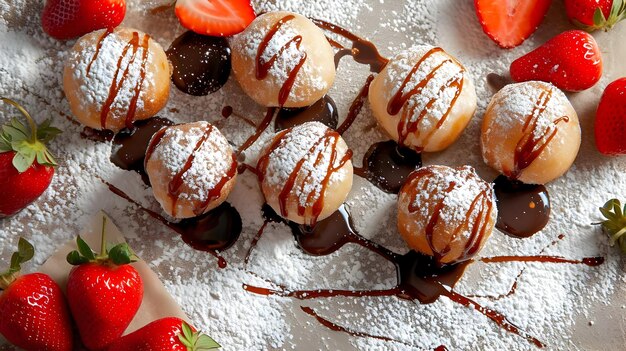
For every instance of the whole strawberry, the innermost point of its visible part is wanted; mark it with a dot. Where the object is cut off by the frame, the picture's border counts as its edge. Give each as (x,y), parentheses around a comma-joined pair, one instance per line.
(104,292)
(33,311)
(26,165)
(66,19)
(571,61)
(592,15)
(166,334)
(610,124)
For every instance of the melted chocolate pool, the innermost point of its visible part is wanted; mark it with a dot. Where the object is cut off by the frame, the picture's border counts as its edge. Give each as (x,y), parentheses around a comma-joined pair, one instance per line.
(201,63)
(129,146)
(388,165)
(324,111)
(523,209)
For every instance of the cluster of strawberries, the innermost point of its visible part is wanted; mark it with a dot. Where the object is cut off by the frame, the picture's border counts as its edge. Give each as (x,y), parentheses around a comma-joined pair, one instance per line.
(104,293)
(571,60)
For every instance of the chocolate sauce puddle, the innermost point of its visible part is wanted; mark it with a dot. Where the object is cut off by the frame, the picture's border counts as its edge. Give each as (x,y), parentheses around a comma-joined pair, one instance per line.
(212,232)
(323,111)
(201,64)
(388,165)
(130,145)
(523,209)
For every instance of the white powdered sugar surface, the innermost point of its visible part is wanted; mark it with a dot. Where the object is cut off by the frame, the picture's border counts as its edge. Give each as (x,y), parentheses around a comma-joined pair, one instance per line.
(554,302)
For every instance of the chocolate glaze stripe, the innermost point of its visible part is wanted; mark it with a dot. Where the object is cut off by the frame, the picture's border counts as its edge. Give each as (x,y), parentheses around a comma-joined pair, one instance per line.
(315,199)
(335,327)
(263,67)
(116,85)
(589,261)
(530,145)
(104,35)
(398,102)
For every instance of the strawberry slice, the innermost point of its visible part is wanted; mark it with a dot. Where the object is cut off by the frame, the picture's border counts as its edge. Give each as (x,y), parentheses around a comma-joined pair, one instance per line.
(215,17)
(510,22)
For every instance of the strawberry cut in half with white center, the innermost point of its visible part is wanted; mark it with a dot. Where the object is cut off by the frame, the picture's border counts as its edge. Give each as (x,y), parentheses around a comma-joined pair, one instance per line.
(219,18)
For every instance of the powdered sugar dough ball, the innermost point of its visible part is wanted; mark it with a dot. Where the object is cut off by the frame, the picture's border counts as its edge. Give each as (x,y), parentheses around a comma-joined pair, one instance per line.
(530,132)
(283,59)
(423,98)
(191,167)
(306,172)
(113,78)
(448,213)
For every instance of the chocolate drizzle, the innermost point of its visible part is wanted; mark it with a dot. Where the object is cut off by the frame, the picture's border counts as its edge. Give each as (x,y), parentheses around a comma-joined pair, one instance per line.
(532,143)
(130,145)
(121,75)
(334,326)
(363,51)
(299,177)
(212,232)
(408,124)
(201,64)
(356,106)
(523,209)
(420,277)
(388,165)
(323,111)
(263,67)
(175,186)
(479,210)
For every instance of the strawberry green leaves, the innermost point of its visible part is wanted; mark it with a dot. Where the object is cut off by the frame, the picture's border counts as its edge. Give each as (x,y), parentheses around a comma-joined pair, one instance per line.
(119,254)
(195,341)
(615,223)
(25,252)
(28,142)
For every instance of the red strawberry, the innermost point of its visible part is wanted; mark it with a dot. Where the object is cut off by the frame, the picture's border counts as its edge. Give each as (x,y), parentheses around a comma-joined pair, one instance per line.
(595,14)
(219,18)
(571,61)
(66,19)
(510,22)
(34,314)
(104,292)
(610,124)
(167,334)
(26,165)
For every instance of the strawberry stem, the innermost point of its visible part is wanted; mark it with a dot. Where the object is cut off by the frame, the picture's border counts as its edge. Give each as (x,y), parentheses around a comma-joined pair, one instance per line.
(103,243)
(29,119)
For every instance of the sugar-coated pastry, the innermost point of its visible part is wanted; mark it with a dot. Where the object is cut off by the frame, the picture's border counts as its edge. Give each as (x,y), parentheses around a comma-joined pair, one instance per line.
(530,132)
(423,98)
(306,172)
(448,213)
(191,167)
(113,78)
(283,59)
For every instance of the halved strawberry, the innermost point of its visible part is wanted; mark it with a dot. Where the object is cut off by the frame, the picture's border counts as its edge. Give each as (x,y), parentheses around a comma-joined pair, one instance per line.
(510,22)
(218,18)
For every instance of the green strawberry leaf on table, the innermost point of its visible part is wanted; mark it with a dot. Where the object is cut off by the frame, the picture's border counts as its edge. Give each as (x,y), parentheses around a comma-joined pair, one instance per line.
(615,223)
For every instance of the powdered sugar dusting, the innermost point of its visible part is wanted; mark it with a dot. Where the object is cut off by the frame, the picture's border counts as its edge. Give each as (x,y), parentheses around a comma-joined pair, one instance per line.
(555,302)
